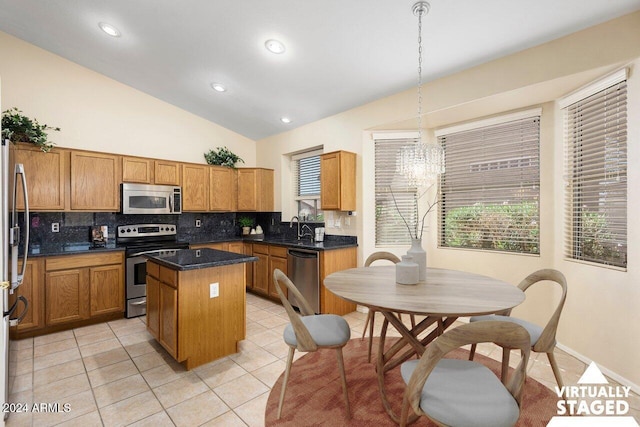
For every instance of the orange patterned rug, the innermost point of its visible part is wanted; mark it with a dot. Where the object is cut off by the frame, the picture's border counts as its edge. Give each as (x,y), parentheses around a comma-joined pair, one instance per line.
(314,393)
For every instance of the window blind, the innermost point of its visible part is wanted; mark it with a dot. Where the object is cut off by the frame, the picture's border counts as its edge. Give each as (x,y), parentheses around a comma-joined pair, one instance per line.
(596,173)
(390,227)
(489,193)
(306,176)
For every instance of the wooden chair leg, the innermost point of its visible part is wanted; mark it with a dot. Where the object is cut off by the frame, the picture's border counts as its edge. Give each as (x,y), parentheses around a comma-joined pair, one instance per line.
(506,353)
(366,323)
(555,368)
(472,352)
(344,381)
(373,319)
(287,370)
(413,321)
(404,415)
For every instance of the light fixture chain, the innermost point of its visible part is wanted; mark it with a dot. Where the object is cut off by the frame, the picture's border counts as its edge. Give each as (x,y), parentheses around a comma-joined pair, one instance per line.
(420,11)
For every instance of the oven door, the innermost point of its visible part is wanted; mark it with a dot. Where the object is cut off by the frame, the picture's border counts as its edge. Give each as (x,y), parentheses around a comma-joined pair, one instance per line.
(136,276)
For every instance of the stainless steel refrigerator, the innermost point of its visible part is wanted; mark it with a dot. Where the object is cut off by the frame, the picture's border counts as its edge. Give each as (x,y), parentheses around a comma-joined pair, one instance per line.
(11,278)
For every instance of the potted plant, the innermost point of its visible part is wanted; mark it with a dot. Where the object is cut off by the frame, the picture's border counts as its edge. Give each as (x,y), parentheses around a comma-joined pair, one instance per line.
(245,222)
(16,127)
(222,156)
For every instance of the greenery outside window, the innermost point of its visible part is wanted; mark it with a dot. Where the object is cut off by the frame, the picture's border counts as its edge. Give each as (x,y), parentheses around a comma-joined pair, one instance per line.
(306,176)
(596,172)
(489,193)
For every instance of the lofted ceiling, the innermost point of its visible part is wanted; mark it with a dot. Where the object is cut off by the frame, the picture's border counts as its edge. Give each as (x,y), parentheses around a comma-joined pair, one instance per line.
(339,53)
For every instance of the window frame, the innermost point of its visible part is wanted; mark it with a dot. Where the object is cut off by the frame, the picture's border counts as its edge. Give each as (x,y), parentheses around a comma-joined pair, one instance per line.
(297,198)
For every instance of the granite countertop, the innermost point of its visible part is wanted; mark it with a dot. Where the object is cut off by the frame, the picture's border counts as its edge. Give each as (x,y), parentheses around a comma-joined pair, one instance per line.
(193,259)
(51,249)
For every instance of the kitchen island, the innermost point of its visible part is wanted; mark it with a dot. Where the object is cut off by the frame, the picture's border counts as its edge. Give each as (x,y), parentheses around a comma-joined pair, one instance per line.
(196,303)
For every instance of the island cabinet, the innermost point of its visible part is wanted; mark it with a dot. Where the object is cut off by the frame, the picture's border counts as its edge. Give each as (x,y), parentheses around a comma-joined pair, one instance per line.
(46,177)
(195,187)
(255,190)
(338,181)
(95,181)
(197,314)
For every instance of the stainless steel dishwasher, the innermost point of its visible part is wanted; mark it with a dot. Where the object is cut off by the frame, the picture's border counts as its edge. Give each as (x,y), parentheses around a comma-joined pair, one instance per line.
(304,272)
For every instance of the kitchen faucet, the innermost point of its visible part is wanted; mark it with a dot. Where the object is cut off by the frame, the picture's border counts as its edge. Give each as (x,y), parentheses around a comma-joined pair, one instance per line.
(310,233)
(291,225)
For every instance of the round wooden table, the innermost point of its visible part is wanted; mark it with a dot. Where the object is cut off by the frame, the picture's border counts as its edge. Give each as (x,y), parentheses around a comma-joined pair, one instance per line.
(442,298)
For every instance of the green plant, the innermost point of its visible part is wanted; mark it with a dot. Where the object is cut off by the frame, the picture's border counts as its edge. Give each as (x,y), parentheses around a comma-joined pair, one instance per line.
(222,157)
(16,127)
(245,221)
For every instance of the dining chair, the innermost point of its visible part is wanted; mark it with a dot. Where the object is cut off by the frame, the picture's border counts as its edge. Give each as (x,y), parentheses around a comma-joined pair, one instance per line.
(376,256)
(309,332)
(458,392)
(543,340)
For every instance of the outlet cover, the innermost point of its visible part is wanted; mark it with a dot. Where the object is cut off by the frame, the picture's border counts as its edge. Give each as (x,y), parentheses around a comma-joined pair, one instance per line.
(214,290)
(198,223)
(55,227)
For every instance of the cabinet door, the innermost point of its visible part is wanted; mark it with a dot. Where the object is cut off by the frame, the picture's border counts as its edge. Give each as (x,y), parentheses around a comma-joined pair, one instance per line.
(222,188)
(276,262)
(32,289)
(338,181)
(248,250)
(67,296)
(265,190)
(153,307)
(107,289)
(261,273)
(169,319)
(247,190)
(236,247)
(136,169)
(167,173)
(95,181)
(46,173)
(195,188)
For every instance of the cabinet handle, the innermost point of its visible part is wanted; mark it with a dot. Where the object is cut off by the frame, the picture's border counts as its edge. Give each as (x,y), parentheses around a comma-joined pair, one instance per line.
(139,303)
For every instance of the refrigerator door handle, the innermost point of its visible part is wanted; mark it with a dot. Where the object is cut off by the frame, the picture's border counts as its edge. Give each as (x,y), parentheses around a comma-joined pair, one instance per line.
(16,321)
(16,280)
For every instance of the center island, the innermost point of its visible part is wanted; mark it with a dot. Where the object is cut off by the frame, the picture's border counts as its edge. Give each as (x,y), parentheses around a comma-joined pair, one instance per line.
(196,303)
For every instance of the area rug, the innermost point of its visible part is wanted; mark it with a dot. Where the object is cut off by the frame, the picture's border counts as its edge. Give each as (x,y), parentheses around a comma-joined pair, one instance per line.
(314,393)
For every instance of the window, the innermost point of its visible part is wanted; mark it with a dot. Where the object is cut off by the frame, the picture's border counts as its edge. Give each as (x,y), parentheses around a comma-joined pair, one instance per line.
(596,172)
(489,193)
(306,176)
(390,227)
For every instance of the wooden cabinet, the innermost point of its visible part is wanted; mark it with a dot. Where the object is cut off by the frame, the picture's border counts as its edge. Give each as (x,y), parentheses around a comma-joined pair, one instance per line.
(255,190)
(338,181)
(277,259)
(168,314)
(80,287)
(248,250)
(153,305)
(236,247)
(195,188)
(223,189)
(261,269)
(32,289)
(95,181)
(330,262)
(137,169)
(46,176)
(167,172)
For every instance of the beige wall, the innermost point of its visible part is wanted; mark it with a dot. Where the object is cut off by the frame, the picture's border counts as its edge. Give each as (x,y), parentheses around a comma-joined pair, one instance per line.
(601,321)
(98,113)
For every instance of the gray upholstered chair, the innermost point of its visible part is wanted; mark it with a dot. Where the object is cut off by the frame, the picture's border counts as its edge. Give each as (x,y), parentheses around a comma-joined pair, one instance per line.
(386,256)
(455,392)
(543,340)
(309,332)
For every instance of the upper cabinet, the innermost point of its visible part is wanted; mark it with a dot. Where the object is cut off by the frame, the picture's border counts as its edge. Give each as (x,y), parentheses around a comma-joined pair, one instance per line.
(167,172)
(255,190)
(338,181)
(195,187)
(223,189)
(149,171)
(95,181)
(45,175)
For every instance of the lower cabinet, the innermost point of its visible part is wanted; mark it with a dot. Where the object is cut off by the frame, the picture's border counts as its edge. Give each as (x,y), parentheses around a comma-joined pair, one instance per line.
(269,258)
(32,289)
(277,259)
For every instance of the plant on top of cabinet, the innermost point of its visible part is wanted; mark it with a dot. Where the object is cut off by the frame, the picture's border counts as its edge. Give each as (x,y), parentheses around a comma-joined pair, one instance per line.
(16,127)
(222,157)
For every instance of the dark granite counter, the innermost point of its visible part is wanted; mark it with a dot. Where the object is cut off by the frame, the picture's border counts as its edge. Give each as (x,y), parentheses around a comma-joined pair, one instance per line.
(52,249)
(193,259)
(330,242)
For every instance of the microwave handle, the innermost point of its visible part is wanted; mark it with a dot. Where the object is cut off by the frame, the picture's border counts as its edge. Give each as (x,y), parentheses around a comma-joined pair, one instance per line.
(171,204)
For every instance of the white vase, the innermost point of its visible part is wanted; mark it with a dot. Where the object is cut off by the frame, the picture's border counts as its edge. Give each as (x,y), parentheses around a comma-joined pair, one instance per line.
(407,271)
(419,256)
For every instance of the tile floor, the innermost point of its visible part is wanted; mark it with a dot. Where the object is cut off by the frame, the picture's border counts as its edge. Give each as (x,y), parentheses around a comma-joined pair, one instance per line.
(115,374)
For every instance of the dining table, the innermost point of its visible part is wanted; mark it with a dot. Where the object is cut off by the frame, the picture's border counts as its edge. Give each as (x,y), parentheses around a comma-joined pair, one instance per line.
(442,298)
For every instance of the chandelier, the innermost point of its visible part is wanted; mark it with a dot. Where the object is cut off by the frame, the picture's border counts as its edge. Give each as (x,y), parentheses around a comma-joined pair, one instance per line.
(421,163)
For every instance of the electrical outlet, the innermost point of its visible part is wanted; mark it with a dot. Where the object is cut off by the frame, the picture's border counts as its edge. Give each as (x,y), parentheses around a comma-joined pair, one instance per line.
(214,290)
(198,223)
(55,227)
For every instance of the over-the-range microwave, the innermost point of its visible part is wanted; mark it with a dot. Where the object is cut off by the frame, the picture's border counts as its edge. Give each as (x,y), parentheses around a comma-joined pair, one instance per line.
(151,199)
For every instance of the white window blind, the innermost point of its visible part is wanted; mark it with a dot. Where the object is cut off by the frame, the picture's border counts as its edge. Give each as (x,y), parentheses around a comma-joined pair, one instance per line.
(596,174)
(306,184)
(489,194)
(390,227)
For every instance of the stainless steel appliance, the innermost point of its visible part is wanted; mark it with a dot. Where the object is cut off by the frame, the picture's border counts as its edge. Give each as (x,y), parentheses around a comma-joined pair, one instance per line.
(304,272)
(151,199)
(9,241)
(138,240)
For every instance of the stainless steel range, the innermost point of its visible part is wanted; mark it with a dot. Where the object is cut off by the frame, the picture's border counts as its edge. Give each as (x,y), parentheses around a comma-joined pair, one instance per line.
(141,239)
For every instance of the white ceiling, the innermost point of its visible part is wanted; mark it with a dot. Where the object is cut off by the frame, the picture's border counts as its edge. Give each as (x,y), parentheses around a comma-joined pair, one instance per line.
(340,53)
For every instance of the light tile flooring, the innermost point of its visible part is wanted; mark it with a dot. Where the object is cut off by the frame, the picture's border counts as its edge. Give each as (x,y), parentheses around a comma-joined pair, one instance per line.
(115,374)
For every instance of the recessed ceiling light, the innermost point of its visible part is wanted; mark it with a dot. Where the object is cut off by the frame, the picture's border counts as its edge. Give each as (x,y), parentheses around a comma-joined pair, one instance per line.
(285,120)
(109,29)
(218,87)
(274,46)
